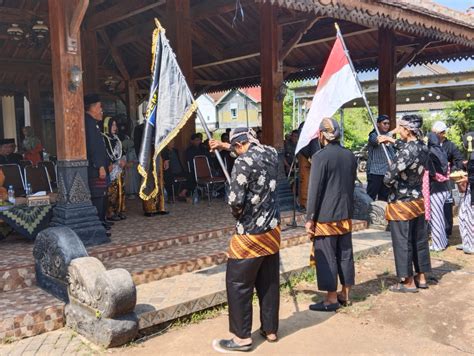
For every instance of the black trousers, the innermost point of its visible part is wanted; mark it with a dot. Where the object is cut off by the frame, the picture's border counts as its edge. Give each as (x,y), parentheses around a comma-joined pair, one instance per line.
(334,256)
(410,246)
(376,189)
(100,203)
(448,216)
(241,278)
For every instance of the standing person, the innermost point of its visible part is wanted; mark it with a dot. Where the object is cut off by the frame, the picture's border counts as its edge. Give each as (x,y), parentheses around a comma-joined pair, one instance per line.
(377,163)
(439,193)
(116,189)
(466,188)
(329,213)
(254,248)
(405,210)
(304,167)
(32,146)
(455,159)
(96,155)
(132,178)
(290,146)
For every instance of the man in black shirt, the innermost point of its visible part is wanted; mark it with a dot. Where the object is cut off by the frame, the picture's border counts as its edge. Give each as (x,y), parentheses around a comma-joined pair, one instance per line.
(7,152)
(329,216)
(96,154)
(455,159)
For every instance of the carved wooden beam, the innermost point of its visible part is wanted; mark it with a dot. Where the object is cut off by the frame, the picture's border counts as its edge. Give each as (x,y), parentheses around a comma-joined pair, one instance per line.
(211,8)
(253,49)
(409,56)
(285,51)
(120,12)
(115,54)
(20,16)
(77,17)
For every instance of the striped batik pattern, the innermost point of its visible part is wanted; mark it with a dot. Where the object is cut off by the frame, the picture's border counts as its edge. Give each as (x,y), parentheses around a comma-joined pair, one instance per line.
(466,223)
(404,210)
(341,227)
(251,246)
(439,238)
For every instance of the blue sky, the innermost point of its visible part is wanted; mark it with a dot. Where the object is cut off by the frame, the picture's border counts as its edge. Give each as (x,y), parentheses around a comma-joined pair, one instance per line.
(460,5)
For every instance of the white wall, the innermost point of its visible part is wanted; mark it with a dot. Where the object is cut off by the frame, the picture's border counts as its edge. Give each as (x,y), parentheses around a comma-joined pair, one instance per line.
(208,111)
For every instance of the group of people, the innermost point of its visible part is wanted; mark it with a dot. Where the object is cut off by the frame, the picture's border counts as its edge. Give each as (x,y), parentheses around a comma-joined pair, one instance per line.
(414,162)
(31,149)
(444,157)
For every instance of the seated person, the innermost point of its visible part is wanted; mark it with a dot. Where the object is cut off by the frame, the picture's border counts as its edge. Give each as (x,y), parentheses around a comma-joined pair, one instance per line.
(7,152)
(172,169)
(196,148)
(3,190)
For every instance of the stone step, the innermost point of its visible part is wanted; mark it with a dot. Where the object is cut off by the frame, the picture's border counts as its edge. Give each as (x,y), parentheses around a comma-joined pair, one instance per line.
(29,311)
(16,276)
(153,266)
(167,299)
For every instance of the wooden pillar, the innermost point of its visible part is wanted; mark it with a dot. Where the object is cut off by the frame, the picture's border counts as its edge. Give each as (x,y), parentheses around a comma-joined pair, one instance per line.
(271,71)
(132,108)
(74,208)
(68,105)
(9,117)
(35,108)
(178,30)
(90,62)
(387,75)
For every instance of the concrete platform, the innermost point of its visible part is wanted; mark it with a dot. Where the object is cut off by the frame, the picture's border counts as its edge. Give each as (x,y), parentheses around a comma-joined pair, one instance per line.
(171,298)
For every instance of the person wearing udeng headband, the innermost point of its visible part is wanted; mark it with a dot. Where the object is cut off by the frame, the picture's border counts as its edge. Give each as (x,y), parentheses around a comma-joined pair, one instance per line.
(254,248)
(405,210)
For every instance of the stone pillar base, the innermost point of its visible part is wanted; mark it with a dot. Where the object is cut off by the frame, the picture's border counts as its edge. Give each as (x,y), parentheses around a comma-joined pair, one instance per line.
(74,208)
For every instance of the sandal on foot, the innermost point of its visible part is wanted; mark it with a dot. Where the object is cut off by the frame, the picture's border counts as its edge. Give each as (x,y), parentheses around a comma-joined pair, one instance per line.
(324,307)
(343,302)
(400,288)
(230,345)
(421,285)
(265,335)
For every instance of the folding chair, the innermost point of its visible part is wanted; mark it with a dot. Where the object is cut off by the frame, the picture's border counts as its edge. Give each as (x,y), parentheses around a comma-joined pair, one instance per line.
(204,177)
(38,178)
(52,173)
(24,163)
(14,178)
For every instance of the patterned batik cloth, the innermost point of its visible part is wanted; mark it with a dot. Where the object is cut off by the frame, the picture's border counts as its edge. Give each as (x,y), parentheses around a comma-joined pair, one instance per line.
(28,221)
(405,174)
(116,196)
(466,222)
(251,246)
(252,195)
(404,210)
(335,228)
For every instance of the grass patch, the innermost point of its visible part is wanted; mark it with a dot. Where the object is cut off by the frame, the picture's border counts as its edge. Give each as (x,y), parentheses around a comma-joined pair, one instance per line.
(8,340)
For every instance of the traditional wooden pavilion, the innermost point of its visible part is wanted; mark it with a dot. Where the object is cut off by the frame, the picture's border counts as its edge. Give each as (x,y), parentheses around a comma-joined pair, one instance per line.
(220,44)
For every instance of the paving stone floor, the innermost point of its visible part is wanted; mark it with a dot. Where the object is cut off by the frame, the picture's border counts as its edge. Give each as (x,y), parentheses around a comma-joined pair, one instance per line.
(180,295)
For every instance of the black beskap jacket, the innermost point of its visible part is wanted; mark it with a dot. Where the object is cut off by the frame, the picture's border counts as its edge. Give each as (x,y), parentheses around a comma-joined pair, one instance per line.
(331,184)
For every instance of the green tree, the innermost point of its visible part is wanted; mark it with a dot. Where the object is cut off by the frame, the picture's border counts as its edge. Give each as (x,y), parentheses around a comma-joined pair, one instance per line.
(460,119)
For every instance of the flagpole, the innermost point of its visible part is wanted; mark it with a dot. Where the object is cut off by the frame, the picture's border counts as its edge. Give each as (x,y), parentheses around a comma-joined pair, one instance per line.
(218,155)
(339,34)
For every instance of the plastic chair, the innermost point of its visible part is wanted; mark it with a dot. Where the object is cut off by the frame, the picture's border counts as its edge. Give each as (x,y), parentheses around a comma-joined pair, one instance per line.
(14,178)
(204,177)
(38,178)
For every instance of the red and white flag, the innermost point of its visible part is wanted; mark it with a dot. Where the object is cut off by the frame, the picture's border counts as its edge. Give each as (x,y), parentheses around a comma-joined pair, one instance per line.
(337,86)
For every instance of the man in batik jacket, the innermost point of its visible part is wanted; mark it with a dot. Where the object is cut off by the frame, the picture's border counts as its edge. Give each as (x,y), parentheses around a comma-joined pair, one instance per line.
(254,249)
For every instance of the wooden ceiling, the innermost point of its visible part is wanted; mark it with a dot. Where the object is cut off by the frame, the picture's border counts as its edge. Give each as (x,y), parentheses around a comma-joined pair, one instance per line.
(225,52)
